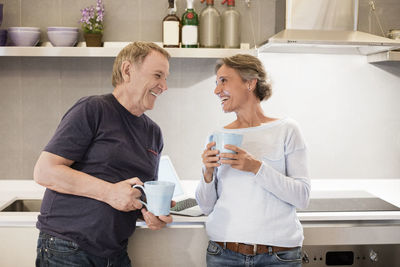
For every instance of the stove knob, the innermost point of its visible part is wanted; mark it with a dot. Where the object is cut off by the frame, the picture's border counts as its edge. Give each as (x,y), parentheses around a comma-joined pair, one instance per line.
(305,258)
(373,256)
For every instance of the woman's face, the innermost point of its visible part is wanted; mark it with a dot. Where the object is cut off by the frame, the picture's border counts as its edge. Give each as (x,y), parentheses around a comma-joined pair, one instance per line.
(231,89)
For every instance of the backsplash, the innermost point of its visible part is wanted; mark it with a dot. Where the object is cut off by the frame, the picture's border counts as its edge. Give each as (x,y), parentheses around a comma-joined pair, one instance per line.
(348,109)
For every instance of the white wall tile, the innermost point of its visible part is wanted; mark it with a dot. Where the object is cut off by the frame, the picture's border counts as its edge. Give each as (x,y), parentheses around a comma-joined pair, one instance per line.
(346,108)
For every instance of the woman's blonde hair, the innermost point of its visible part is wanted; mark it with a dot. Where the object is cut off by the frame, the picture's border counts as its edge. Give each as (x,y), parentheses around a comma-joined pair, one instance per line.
(249,68)
(134,53)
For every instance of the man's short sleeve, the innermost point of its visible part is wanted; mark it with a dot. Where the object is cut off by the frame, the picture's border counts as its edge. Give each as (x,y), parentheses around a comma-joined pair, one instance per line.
(76,130)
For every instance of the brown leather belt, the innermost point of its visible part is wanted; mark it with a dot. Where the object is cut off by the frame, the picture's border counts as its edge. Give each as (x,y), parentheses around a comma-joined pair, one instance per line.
(248,249)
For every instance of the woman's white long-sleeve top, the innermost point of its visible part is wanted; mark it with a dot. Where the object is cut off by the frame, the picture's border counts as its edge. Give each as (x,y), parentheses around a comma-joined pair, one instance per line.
(261,208)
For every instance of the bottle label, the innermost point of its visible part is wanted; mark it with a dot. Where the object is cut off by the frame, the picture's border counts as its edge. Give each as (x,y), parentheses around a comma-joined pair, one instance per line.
(171,33)
(189,35)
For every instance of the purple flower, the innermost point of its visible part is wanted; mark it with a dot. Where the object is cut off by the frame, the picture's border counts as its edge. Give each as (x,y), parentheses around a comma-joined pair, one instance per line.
(92,18)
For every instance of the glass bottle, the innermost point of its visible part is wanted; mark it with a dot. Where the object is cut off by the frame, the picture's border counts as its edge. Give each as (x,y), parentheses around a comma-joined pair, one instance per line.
(230,26)
(210,21)
(171,27)
(190,23)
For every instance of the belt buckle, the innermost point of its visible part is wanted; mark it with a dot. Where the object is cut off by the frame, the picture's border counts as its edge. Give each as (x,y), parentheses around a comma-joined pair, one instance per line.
(270,250)
(255,249)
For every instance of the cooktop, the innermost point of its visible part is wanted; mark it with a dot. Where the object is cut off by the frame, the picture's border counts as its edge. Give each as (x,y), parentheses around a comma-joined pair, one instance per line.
(335,202)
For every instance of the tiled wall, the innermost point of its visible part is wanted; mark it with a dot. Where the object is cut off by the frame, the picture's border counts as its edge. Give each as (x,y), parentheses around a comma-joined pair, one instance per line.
(348,109)
(387,12)
(36,92)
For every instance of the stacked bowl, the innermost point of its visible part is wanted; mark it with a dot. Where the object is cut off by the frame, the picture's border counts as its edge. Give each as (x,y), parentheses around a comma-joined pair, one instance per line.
(63,36)
(1,13)
(3,33)
(24,36)
(3,37)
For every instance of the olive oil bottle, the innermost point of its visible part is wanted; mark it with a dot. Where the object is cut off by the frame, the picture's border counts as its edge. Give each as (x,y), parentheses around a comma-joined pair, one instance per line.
(171,27)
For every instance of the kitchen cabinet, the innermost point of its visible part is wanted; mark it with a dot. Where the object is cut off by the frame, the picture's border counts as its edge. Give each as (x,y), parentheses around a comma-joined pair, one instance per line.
(175,246)
(18,246)
(19,243)
(184,242)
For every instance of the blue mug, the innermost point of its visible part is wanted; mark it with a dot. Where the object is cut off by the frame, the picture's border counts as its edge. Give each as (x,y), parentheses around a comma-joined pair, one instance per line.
(221,139)
(158,196)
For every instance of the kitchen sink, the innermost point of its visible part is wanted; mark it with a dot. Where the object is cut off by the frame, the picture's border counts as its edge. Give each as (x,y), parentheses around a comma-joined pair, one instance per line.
(24,205)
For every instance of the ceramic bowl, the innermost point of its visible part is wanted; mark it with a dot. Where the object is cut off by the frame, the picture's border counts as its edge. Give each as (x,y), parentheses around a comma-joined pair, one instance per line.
(24,38)
(63,38)
(3,37)
(25,29)
(69,29)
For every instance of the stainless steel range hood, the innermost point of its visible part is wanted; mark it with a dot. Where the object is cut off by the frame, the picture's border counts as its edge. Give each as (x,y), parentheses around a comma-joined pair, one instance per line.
(328,28)
(329,42)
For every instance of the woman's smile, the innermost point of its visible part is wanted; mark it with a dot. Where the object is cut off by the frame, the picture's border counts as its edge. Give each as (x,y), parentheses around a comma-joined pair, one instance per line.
(223,99)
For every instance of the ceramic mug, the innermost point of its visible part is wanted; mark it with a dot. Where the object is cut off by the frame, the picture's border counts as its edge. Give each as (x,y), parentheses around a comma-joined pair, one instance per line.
(158,195)
(221,139)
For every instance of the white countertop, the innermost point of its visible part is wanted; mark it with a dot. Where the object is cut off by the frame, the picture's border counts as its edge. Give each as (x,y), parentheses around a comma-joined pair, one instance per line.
(386,189)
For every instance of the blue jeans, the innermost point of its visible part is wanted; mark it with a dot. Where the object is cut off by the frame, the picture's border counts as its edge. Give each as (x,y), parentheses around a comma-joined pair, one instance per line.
(56,252)
(218,257)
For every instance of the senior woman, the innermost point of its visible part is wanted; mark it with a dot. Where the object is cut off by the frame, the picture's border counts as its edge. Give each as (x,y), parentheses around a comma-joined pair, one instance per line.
(251,196)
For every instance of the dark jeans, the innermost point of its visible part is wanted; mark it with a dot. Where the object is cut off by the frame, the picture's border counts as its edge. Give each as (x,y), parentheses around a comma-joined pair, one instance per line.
(56,252)
(218,257)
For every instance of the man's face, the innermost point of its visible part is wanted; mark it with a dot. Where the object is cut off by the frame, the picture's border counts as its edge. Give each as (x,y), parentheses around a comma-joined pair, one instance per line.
(149,80)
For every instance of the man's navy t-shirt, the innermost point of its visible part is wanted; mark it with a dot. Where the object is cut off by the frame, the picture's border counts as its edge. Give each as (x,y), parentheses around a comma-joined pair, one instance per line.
(108,142)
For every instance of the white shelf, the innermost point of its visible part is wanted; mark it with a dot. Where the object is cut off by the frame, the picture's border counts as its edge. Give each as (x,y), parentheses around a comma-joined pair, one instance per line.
(384,57)
(58,51)
(113,50)
(208,52)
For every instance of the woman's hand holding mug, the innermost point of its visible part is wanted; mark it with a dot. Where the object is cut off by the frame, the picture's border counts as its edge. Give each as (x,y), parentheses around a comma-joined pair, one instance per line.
(210,160)
(240,160)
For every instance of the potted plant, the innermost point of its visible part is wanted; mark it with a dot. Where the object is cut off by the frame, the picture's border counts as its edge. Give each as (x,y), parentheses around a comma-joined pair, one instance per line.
(92,23)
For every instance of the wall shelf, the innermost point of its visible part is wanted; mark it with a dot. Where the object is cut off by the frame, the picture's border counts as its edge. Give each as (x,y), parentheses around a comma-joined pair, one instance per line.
(112,50)
(384,57)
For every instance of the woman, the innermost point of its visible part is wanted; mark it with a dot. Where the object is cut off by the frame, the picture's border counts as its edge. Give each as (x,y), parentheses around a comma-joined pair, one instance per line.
(251,196)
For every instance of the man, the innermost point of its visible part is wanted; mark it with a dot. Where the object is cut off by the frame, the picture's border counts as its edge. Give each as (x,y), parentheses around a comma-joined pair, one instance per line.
(103,145)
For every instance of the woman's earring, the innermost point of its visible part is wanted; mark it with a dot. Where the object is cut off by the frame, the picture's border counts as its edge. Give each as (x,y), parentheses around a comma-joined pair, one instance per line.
(249,88)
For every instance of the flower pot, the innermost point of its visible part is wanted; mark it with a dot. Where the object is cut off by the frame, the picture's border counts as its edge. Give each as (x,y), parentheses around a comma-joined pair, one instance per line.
(93,39)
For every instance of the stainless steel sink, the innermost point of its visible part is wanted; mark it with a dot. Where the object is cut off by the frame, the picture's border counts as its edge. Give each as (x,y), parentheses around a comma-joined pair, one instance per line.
(24,205)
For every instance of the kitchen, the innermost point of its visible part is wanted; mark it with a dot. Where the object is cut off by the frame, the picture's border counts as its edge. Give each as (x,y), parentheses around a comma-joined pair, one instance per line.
(347,107)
